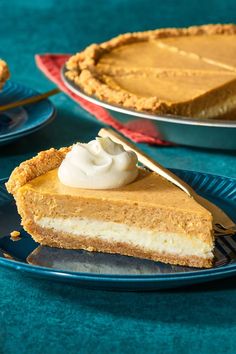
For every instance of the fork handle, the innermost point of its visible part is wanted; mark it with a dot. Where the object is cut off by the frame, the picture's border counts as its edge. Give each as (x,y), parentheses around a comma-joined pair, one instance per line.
(146,160)
(29,100)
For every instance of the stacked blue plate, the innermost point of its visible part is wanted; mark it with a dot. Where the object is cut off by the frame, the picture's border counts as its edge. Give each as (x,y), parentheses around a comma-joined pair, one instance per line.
(22,121)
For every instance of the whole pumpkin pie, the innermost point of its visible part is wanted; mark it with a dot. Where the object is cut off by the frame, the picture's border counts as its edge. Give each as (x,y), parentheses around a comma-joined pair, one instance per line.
(145,217)
(187,72)
(4,73)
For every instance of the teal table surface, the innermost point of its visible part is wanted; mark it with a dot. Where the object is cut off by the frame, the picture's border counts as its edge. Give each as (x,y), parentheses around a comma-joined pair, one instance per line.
(37,316)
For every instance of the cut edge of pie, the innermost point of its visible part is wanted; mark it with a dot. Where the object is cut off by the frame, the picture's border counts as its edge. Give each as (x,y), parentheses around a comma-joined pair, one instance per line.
(216,100)
(52,223)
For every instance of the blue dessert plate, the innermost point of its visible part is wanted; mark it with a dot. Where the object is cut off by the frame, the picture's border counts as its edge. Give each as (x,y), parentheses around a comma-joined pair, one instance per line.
(116,272)
(21,121)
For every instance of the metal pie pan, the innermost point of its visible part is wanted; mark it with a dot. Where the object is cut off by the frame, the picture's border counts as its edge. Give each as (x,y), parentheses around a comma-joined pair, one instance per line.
(202,133)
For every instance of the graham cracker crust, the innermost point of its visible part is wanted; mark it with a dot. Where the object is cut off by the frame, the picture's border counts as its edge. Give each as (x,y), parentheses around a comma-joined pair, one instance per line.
(4,73)
(28,170)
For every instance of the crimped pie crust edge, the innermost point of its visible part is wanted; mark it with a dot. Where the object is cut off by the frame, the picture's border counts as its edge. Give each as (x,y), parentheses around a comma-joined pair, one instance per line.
(40,164)
(82,71)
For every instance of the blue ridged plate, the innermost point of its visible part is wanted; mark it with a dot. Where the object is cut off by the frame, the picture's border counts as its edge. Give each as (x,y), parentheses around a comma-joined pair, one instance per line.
(115,272)
(21,121)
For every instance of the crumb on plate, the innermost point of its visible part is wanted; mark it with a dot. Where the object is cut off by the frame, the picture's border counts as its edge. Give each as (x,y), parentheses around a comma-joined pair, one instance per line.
(15,234)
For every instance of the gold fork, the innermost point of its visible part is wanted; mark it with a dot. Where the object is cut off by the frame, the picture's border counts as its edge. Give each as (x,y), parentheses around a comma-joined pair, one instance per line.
(223,225)
(29,100)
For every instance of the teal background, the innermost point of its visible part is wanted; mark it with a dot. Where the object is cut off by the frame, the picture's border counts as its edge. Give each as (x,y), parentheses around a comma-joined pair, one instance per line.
(37,316)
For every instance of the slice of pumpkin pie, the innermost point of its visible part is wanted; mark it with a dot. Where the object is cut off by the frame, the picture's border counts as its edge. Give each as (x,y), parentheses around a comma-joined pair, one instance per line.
(94,197)
(181,71)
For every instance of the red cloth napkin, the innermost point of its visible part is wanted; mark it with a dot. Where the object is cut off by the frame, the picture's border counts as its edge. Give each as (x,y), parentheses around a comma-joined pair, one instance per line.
(140,130)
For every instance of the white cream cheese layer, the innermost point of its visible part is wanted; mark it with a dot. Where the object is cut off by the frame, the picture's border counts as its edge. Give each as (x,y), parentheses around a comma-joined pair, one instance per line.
(172,243)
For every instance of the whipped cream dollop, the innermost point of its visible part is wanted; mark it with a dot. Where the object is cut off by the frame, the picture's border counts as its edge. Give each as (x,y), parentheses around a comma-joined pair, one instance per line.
(99,164)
